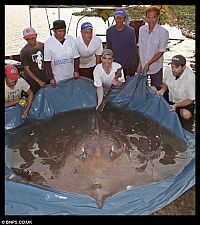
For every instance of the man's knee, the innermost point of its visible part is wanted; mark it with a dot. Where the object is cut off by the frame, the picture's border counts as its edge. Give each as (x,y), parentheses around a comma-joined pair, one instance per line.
(185,114)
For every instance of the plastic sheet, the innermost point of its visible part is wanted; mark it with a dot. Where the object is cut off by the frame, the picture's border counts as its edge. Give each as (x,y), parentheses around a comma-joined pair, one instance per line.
(79,94)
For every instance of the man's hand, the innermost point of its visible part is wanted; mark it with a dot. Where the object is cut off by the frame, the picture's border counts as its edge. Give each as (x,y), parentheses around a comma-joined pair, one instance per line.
(53,83)
(26,110)
(146,67)
(173,108)
(160,92)
(76,75)
(41,83)
(25,113)
(114,82)
(139,68)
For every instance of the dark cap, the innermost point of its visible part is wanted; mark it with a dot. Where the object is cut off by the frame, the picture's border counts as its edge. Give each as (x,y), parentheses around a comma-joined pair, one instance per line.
(59,24)
(178,60)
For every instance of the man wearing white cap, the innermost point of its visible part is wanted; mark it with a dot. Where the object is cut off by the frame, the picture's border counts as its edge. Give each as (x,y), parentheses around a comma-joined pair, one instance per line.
(61,57)
(178,87)
(31,56)
(122,40)
(104,74)
(90,49)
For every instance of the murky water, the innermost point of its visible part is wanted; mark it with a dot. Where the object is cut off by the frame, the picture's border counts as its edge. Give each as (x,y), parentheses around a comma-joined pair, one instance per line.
(84,151)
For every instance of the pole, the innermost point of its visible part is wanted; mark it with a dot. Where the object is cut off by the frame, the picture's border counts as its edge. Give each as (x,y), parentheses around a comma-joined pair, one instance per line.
(70,22)
(30,15)
(48,22)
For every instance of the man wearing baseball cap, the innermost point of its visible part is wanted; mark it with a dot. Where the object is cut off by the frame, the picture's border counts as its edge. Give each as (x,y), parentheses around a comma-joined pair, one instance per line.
(31,57)
(14,85)
(104,74)
(90,49)
(178,87)
(61,57)
(122,40)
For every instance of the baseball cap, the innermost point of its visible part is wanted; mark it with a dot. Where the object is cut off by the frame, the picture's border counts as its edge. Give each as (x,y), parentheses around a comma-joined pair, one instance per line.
(120,12)
(107,51)
(59,24)
(178,60)
(11,72)
(86,25)
(29,32)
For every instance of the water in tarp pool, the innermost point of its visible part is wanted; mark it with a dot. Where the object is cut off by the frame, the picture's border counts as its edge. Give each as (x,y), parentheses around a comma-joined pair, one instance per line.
(97,154)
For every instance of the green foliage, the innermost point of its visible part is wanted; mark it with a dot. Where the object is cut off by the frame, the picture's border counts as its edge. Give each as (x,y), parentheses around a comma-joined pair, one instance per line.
(86,12)
(182,16)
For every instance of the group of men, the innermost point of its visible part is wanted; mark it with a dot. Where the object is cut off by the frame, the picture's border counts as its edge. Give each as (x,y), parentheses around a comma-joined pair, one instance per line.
(63,57)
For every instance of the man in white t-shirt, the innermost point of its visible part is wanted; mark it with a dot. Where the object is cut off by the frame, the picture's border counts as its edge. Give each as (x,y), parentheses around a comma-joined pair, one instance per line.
(61,57)
(14,85)
(90,49)
(180,81)
(104,74)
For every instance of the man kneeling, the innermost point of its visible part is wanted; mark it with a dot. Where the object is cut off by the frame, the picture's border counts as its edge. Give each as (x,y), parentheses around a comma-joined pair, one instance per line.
(180,82)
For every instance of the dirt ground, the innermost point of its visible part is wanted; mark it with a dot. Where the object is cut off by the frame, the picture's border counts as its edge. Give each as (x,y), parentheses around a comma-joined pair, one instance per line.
(184,205)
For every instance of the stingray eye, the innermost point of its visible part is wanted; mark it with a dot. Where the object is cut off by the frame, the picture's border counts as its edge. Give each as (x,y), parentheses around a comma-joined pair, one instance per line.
(113,151)
(82,153)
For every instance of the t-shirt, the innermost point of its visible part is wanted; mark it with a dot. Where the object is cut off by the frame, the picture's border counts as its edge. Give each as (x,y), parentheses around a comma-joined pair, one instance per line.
(123,45)
(15,93)
(88,53)
(61,56)
(182,88)
(33,57)
(101,77)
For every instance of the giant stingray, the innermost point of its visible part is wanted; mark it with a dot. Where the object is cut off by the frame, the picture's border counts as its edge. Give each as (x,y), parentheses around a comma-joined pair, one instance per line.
(97,154)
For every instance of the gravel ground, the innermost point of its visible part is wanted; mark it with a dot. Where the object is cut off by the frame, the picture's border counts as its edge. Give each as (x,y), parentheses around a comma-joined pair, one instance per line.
(184,205)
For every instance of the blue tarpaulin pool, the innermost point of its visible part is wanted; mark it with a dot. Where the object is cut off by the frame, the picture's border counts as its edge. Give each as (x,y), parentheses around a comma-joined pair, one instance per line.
(81,94)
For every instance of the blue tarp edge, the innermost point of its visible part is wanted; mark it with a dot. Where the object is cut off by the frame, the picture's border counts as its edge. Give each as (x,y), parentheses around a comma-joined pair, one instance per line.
(78,94)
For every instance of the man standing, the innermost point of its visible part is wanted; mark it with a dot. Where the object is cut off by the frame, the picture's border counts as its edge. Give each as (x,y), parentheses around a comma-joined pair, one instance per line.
(104,74)
(121,39)
(61,57)
(14,85)
(90,49)
(180,81)
(31,57)
(153,40)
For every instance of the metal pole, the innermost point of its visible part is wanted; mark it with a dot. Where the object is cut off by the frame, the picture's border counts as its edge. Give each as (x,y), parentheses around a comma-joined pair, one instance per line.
(30,15)
(77,24)
(48,22)
(69,24)
(59,12)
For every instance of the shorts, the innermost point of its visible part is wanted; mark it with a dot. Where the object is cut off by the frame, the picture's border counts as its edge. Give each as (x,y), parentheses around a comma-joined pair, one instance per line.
(87,72)
(156,78)
(188,107)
